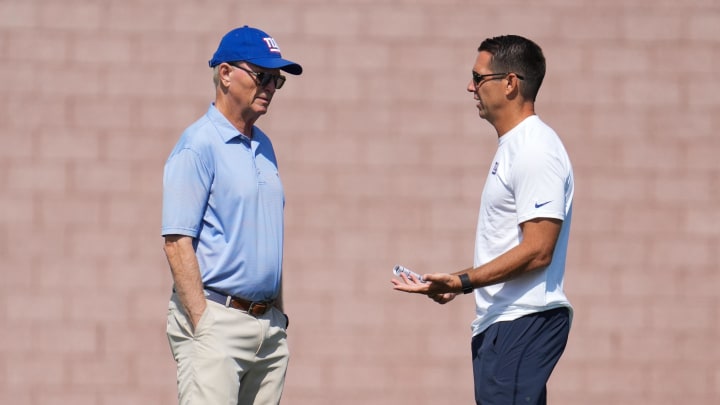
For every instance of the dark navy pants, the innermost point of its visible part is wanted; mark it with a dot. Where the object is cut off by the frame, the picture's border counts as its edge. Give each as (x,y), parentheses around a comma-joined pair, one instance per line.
(513,360)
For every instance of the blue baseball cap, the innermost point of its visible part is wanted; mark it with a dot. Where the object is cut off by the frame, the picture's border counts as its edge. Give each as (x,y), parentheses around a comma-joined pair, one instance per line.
(254,46)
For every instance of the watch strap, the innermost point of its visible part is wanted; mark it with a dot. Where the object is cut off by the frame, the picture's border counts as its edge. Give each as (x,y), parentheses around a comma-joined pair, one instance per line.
(467,286)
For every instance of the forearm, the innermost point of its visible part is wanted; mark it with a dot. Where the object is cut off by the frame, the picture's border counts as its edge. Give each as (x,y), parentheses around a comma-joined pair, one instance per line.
(186,275)
(513,263)
(535,251)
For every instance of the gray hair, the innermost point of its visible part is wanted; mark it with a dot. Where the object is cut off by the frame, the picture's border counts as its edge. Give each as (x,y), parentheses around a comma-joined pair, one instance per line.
(216,75)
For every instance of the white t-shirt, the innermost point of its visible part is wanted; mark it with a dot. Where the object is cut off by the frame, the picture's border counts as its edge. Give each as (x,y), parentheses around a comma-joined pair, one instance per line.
(530,177)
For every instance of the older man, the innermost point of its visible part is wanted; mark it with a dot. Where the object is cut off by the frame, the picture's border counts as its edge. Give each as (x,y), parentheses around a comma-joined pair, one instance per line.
(223,226)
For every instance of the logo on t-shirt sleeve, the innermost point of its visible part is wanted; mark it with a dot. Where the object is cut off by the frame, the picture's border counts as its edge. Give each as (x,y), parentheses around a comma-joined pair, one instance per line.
(538,205)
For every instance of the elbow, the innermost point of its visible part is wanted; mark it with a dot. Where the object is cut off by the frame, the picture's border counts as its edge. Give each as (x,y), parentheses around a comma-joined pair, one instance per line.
(541,259)
(172,244)
(168,246)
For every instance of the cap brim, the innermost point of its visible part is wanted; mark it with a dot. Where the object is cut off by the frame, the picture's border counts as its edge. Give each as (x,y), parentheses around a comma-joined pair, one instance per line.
(277,63)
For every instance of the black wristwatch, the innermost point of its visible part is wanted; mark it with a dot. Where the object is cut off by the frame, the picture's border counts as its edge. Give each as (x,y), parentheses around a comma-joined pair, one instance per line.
(467,286)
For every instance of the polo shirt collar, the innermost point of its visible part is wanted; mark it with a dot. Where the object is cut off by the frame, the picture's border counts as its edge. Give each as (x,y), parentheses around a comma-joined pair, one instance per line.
(226,130)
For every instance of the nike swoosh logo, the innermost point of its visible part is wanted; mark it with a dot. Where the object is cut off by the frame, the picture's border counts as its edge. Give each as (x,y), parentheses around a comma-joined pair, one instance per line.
(541,204)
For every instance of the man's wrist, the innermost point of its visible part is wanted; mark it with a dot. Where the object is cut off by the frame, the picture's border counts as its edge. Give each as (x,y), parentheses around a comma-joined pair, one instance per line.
(465,284)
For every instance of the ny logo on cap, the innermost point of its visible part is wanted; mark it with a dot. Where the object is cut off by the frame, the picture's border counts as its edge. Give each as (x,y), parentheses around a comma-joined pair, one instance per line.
(272,45)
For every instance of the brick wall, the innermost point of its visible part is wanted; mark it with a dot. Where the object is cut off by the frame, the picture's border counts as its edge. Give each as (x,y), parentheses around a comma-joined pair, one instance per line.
(382,155)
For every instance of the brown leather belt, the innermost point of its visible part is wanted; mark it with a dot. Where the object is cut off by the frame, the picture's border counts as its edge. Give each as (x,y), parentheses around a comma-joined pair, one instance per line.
(254,308)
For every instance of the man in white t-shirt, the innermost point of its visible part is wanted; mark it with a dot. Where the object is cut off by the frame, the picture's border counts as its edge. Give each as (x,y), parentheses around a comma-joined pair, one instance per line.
(523,316)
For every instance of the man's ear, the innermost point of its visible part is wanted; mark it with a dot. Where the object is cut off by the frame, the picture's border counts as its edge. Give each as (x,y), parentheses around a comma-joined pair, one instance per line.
(224,74)
(512,89)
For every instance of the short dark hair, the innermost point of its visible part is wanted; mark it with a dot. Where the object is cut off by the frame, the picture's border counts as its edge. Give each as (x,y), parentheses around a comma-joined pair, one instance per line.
(513,53)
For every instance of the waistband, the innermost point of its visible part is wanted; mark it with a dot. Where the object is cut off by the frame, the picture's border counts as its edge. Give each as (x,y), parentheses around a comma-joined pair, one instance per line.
(254,308)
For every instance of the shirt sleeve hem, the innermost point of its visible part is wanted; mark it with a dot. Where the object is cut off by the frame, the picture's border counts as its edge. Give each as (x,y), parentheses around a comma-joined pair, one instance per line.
(179,231)
(537,215)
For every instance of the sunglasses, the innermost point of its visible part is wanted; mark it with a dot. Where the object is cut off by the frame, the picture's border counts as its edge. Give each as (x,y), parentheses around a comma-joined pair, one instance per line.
(478,78)
(263,78)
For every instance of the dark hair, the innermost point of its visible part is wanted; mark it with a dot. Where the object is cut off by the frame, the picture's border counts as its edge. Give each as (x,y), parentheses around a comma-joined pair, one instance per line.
(513,53)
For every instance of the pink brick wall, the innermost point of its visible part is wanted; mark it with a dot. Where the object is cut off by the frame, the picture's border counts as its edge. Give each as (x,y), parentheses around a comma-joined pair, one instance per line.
(382,155)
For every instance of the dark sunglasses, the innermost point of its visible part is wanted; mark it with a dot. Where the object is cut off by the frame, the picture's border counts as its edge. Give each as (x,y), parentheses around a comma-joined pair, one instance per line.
(478,78)
(263,78)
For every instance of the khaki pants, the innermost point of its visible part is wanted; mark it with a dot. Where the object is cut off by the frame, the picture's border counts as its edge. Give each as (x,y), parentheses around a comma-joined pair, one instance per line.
(231,358)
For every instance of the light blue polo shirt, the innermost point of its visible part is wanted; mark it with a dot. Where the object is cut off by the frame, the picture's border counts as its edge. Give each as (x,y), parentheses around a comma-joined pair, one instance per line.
(223,189)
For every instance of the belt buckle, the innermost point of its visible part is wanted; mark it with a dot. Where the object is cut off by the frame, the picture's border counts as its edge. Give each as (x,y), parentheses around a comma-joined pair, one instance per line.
(261,308)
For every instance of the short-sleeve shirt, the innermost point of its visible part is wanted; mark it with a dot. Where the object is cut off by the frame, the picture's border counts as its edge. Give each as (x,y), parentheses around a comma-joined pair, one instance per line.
(223,189)
(530,177)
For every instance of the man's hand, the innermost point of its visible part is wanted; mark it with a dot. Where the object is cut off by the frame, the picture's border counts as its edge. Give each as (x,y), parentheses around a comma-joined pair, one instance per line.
(442,298)
(440,287)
